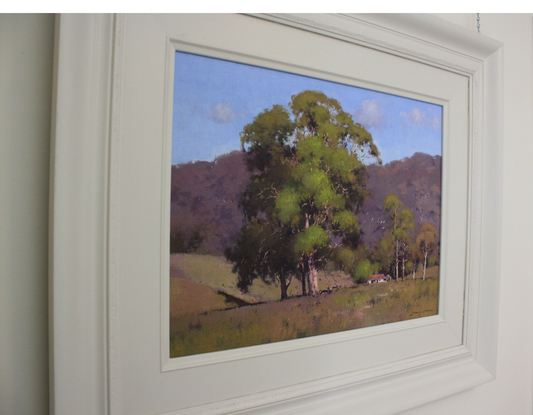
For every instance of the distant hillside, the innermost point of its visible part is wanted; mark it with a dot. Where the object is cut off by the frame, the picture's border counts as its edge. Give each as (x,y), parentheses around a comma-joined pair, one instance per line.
(205,216)
(415,180)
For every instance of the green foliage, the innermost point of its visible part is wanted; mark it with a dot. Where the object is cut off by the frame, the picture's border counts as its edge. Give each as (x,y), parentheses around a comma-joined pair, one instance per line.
(401,220)
(392,205)
(398,240)
(415,254)
(407,224)
(384,254)
(427,237)
(409,266)
(311,239)
(355,262)
(363,271)
(345,259)
(346,222)
(265,140)
(308,179)
(263,250)
(288,207)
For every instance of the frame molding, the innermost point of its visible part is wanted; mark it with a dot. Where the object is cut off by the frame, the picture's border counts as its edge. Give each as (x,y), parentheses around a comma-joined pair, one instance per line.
(78,218)
(85,297)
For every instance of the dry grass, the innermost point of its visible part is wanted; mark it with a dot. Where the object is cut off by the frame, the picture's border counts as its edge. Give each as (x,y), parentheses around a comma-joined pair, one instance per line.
(344,309)
(194,297)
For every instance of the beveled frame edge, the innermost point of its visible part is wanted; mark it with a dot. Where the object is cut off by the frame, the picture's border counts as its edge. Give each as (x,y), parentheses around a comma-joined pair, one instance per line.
(81,344)
(491,135)
(455,371)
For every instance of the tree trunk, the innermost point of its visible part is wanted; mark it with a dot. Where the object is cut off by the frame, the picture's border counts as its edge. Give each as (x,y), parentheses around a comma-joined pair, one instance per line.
(403,267)
(396,261)
(303,279)
(313,277)
(283,283)
(310,271)
(425,265)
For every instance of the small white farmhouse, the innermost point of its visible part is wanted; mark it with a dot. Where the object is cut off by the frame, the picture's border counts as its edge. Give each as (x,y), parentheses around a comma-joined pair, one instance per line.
(378,278)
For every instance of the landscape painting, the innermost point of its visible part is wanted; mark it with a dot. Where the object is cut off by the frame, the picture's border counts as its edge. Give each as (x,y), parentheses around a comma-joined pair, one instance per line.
(299,207)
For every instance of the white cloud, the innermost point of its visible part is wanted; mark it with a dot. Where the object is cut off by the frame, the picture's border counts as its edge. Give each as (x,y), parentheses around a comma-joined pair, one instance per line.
(434,123)
(222,113)
(371,114)
(415,116)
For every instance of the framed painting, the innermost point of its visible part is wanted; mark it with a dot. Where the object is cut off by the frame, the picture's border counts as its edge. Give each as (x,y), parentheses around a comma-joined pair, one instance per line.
(268,229)
(261,252)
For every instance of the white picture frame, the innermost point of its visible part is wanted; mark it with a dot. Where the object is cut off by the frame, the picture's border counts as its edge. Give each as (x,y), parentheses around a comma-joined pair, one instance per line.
(107,317)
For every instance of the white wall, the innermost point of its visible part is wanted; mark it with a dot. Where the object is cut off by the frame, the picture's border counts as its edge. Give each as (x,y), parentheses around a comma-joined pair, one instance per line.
(26,47)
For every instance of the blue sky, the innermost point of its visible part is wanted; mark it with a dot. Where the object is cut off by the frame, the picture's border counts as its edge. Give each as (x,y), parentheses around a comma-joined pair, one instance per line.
(214,99)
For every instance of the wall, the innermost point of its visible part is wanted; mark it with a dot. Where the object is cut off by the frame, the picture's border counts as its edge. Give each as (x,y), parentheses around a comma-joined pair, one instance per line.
(26,49)
(26,46)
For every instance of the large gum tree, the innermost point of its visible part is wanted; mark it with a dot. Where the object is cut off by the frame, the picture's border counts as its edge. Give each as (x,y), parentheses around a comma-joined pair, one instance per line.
(307,185)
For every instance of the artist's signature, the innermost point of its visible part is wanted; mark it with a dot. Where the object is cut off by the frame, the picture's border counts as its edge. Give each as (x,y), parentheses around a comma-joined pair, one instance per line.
(417,313)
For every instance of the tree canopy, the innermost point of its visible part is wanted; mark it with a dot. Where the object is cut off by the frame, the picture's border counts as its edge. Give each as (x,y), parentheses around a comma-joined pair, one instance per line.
(400,235)
(306,187)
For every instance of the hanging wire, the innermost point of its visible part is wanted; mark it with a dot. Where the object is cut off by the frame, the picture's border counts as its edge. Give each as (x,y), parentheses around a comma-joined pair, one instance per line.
(478,23)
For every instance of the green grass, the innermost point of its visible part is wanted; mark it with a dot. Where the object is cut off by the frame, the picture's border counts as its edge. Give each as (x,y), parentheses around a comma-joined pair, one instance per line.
(298,317)
(215,272)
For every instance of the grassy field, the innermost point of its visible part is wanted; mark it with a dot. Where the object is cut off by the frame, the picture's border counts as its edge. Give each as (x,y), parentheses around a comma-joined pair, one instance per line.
(206,316)
(193,275)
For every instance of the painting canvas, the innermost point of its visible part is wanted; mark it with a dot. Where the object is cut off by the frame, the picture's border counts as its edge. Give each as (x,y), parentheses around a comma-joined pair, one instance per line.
(299,206)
